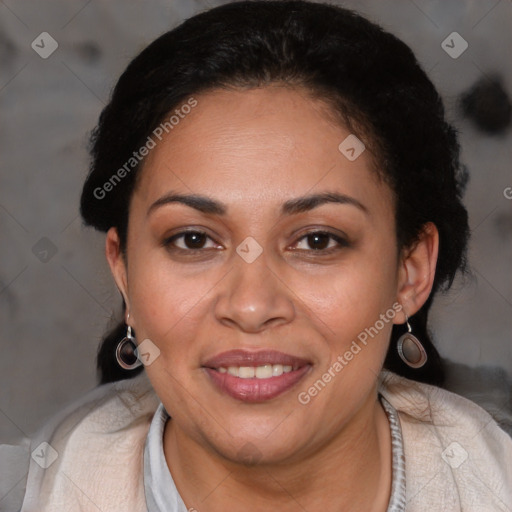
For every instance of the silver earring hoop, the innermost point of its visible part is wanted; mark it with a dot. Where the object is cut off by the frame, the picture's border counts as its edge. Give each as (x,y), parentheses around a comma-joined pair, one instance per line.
(410,349)
(126,352)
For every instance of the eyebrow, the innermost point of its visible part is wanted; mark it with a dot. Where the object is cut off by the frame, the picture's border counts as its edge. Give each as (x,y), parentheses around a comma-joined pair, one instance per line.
(302,204)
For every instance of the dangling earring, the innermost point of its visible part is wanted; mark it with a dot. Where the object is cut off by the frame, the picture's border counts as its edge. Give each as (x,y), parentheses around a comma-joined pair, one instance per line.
(410,349)
(126,351)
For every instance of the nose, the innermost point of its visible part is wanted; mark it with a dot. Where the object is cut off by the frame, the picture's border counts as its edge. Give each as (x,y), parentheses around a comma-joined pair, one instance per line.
(253,298)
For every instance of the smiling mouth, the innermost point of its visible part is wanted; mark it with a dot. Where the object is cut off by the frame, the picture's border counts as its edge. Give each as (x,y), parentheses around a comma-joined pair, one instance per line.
(266,371)
(258,376)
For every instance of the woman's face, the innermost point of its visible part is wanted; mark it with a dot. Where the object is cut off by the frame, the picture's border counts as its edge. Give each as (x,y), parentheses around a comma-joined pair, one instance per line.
(292,262)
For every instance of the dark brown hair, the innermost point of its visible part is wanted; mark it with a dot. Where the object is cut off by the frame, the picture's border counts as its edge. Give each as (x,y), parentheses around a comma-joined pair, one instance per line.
(368,75)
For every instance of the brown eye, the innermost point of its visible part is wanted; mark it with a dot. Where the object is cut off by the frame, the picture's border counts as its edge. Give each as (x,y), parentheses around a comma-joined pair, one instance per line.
(188,241)
(321,241)
(318,240)
(194,240)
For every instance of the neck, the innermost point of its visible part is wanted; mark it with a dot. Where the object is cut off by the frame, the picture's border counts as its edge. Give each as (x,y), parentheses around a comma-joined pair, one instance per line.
(352,471)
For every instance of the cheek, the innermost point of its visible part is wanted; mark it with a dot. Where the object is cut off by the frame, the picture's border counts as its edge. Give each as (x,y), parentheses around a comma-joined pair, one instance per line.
(165,299)
(350,297)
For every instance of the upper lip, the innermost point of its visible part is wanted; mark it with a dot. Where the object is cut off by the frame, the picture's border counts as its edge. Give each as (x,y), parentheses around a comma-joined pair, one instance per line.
(246,358)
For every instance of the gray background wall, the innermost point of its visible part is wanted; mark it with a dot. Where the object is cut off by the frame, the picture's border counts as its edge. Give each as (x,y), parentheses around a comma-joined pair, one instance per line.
(56,294)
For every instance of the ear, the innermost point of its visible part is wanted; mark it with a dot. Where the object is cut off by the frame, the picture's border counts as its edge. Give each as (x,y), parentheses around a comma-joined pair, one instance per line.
(117,263)
(417,270)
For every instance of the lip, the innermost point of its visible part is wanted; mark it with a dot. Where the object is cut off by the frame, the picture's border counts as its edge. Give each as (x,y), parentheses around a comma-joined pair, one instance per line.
(255,390)
(245,358)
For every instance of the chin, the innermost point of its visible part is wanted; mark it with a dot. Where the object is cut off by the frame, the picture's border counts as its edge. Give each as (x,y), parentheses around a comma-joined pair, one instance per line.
(257,452)
(251,442)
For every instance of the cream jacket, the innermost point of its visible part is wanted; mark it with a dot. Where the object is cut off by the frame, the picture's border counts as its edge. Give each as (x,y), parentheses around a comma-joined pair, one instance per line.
(90,458)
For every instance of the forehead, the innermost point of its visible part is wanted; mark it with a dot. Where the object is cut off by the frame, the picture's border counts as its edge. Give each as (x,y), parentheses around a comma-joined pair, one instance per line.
(255,145)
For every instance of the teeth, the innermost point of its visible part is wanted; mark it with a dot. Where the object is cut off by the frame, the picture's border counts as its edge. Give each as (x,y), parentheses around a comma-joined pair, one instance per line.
(260,372)
(277,369)
(246,372)
(233,370)
(264,372)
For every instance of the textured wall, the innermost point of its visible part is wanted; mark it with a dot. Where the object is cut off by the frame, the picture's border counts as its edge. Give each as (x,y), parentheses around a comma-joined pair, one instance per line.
(56,294)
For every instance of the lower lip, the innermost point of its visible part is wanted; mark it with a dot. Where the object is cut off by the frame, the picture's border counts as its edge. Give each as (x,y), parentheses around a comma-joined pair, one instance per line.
(256,390)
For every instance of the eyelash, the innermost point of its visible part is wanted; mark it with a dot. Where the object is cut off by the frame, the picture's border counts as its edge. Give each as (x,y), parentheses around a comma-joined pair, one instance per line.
(342,242)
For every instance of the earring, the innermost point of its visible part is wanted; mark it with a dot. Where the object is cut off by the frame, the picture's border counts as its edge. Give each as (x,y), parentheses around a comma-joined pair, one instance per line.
(126,352)
(410,349)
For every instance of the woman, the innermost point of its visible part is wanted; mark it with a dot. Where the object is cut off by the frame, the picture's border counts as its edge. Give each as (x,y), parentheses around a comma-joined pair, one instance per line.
(278,187)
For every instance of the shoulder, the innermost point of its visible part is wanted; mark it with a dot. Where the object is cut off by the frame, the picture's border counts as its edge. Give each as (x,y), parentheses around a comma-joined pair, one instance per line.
(93,450)
(455,453)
